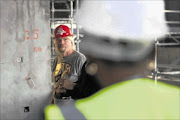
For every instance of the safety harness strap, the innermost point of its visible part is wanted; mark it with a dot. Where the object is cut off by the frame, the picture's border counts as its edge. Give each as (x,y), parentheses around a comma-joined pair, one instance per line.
(71,112)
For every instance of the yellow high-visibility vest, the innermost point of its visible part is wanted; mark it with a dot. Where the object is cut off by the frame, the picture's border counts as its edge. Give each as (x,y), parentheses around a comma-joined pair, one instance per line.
(131,99)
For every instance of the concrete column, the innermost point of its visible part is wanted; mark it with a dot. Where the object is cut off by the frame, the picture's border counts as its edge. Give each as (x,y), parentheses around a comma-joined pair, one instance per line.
(25,66)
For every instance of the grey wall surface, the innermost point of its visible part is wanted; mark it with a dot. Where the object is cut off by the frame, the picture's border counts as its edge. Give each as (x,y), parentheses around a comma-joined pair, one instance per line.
(25,71)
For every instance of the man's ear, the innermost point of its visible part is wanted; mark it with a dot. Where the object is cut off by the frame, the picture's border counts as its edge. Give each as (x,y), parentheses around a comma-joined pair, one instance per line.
(54,41)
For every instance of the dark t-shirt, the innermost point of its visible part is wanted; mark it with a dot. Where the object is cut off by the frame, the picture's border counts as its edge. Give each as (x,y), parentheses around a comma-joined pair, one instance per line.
(68,68)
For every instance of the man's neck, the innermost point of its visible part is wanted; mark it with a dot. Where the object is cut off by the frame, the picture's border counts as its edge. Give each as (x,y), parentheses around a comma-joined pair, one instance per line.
(117,74)
(67,53)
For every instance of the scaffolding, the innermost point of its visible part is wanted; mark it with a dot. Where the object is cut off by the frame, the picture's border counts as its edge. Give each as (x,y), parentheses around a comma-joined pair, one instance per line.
(169,68)
(172,68)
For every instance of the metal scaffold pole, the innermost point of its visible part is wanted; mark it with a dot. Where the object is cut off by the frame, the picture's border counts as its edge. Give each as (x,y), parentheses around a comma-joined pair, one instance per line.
(77,27)
(155,61)
(71,14)
(52,25)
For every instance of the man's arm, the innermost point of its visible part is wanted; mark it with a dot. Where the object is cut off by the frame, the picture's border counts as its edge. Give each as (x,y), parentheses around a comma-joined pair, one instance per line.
(68,84)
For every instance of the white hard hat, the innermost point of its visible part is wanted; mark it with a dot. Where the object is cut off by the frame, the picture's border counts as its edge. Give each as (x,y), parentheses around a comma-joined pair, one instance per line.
(136,23)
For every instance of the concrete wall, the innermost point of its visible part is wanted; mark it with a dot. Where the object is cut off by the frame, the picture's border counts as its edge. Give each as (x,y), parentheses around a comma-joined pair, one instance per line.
(25,70)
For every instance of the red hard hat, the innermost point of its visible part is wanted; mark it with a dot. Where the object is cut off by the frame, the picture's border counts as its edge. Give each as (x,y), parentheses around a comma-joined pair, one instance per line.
(62,31)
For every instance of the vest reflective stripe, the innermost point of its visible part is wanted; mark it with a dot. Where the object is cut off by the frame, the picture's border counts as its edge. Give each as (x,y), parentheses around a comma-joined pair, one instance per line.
(71,112)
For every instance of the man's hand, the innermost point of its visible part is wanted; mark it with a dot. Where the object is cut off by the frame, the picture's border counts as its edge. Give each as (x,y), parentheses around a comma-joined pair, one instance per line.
(60,90)
(68,84)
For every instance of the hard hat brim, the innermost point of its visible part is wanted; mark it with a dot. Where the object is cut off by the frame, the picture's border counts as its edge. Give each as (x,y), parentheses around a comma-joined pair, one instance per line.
(118,51)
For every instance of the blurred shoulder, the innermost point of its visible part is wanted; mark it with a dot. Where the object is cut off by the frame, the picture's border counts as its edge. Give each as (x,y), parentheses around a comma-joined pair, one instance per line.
(80,54)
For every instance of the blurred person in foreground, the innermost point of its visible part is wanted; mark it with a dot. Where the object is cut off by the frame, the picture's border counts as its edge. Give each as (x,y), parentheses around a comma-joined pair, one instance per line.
(119,38)
(67,65)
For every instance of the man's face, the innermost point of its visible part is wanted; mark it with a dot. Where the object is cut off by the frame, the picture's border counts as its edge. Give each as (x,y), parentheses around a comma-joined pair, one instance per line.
(64,44)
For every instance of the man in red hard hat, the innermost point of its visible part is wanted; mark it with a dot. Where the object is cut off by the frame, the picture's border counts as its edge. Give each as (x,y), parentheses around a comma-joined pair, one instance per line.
(67,65)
